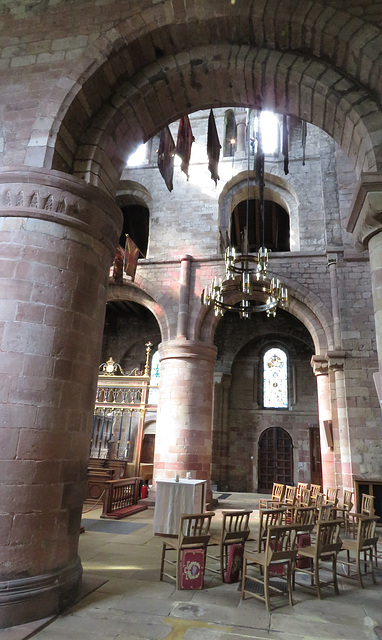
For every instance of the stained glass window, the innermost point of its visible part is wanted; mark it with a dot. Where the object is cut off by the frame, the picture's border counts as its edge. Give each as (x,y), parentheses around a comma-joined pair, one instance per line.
(154,379)
(275,379)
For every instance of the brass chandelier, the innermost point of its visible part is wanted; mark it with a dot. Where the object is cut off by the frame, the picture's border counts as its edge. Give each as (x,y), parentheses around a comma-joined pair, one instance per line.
(246,272)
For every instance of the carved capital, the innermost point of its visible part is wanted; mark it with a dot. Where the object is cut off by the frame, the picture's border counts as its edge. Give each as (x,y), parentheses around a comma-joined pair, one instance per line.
(61,198)
(365,217)
(336,360)
(320,365)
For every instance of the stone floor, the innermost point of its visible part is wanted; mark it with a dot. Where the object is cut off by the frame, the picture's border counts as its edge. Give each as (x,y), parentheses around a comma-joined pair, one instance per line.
(126,601)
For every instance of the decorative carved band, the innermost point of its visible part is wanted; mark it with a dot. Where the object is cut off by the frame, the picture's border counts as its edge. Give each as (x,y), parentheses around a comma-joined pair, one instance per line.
(61,198)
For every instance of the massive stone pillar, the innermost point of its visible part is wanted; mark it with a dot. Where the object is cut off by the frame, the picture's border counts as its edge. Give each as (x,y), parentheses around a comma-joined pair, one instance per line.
(57,241)
(183,431)
(321,371)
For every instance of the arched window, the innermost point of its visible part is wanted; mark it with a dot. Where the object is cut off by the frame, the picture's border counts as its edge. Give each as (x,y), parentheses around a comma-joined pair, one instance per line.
(276,233)
(275,379)
(136,220)
(154,379)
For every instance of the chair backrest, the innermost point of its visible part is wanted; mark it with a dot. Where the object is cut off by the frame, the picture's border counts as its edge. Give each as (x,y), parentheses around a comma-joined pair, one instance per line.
(367,505)
(347,503)
(366,532)
(277,492)
(300,487)
(194,530)
(235,526)
(289,495)
(315,489)
(268,518)
(281,544)
(304,515)
(304,500)
(325,512)
(328,537)
(320,500)
(332,495)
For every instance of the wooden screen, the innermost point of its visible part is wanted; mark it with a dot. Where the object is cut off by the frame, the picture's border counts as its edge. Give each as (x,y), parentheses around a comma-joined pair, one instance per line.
(275,458)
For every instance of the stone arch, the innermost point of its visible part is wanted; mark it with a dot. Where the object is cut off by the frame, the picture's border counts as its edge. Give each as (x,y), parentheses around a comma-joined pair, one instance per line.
(282,57)
(264,338)
(103,154)
(136,294)
(303,304)
(129,194)
(276,189)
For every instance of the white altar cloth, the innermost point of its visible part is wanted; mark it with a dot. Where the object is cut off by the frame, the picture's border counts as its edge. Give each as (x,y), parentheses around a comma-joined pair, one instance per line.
(174,498)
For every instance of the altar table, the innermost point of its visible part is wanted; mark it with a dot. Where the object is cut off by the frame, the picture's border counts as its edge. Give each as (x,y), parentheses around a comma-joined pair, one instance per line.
(174,498)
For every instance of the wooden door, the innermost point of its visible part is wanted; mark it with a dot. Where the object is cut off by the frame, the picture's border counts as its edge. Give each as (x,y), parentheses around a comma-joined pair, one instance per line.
(275,458)
(315,456)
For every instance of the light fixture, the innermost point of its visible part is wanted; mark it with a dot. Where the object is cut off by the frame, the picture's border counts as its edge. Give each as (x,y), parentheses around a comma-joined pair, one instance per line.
(246,273)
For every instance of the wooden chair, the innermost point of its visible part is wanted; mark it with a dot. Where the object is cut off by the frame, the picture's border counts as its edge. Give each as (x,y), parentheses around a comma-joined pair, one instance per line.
(315,489)
(280,552)
(288,502)
(331,495)
(269,518)
(320,500)
(367,509)
(344,509)
(289,496)
(326,547)
(364,544)
(300,487)
(194,536)
(275,499)
(304,499)
(235,531)
(326,512)
(304,516)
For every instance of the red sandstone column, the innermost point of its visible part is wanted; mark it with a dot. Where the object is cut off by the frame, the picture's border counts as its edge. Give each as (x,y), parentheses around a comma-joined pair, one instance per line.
(321,371)
(183,431)
(57,241)
(336,366)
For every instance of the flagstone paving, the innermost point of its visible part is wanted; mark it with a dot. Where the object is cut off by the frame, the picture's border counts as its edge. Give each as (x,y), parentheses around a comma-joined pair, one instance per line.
(126,601)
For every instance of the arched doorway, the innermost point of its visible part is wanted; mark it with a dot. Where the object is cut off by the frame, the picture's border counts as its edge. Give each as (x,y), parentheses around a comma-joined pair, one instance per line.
(275,458)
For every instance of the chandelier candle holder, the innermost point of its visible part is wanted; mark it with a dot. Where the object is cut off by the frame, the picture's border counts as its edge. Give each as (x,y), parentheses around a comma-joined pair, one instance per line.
(246,275)
(247,272)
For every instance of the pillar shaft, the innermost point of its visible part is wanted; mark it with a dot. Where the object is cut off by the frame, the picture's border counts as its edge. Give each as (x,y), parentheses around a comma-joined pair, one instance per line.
(57,240)
(321,370)
(183,431)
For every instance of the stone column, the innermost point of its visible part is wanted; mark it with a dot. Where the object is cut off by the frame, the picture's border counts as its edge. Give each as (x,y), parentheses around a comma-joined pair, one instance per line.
(336,366)
(184,296)
(183,430)
(321,371)
(57,241)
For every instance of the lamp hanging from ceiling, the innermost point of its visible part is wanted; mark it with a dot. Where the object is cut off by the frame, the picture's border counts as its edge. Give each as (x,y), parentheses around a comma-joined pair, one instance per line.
(246,272)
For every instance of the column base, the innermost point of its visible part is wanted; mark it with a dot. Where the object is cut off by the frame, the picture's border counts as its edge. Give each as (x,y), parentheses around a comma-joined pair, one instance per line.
(28,599)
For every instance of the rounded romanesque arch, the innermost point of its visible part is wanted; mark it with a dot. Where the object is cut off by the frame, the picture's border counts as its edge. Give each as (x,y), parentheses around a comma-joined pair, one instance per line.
(328,77)
(303,304)
(136,294)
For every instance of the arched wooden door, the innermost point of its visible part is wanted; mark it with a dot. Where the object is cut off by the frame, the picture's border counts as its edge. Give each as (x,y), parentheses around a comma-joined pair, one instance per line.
(275,459)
